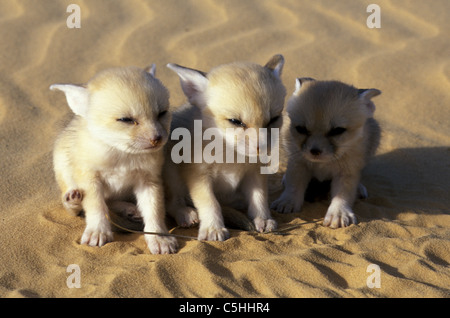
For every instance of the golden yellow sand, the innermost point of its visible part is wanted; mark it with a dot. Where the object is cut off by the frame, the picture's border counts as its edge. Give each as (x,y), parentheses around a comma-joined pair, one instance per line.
(404,226)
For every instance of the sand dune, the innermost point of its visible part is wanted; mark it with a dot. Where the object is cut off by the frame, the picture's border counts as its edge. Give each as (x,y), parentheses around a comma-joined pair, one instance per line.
(404,224)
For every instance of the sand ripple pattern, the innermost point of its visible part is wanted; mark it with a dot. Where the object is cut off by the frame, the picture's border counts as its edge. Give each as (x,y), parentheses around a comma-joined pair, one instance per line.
(403,224)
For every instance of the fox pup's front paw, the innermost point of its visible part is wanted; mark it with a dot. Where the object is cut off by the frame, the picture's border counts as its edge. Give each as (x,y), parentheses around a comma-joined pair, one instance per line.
(265,225)
(339,215)
(287,204)
(161,244)
(97,236)
(213,233)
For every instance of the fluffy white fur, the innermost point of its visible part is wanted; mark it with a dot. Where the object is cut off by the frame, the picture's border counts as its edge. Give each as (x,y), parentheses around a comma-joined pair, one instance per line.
(111,152)
(332,135)
(240,96)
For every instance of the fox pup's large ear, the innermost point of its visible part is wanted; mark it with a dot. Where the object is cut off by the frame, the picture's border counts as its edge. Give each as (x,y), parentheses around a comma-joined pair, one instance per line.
(193,82)
(77,97)
(365,95)
(299,82)
(276,64)
(151,70)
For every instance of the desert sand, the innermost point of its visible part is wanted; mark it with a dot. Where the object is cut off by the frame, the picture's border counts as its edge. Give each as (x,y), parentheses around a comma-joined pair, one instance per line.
(404,225)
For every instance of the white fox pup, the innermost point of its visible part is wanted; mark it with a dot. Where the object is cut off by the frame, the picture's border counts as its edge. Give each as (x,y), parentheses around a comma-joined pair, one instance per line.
(333,134)
(237,97)
(111,152)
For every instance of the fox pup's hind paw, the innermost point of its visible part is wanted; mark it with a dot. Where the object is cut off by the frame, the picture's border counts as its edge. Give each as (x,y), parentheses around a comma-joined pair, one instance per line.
(161,244)
(127,210)
(187,217)
(339,216)
(131,213)
(287,204)
(72,201)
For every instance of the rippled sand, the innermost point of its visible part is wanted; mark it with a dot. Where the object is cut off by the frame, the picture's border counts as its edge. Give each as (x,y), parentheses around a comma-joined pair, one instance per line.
(404,224)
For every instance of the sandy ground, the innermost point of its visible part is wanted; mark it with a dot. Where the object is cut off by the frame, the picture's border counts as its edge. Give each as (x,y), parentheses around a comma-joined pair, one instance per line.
(404,224)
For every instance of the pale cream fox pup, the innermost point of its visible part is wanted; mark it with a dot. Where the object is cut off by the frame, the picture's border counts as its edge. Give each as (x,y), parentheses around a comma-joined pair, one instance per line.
(111,152)
(332,136)
(238,96)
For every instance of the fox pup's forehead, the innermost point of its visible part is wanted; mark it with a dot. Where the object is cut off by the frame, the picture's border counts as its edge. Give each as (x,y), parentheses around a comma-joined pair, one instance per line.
(328,104)
(128,97)
(252,109)
(330,93)
(128,90)
(246,89)
(246,78)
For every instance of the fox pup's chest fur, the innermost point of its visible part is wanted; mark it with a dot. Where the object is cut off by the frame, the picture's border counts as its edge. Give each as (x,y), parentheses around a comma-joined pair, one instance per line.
(228,177)
(118,180)
(347,164)
(125,174)
(322,171)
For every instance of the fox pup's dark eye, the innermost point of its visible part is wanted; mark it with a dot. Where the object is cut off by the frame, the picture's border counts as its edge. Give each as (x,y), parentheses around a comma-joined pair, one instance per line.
(236,122)
(161,114)
(302,130)
(336,131)
(127,120)
(273,119)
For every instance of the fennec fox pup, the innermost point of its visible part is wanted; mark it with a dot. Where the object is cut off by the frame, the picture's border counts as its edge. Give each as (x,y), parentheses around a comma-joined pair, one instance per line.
(236,96)
(111,152)
(333,134)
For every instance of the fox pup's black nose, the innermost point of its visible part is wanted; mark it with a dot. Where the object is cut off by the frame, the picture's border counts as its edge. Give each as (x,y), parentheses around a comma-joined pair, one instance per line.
(315,151)
(155,140)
